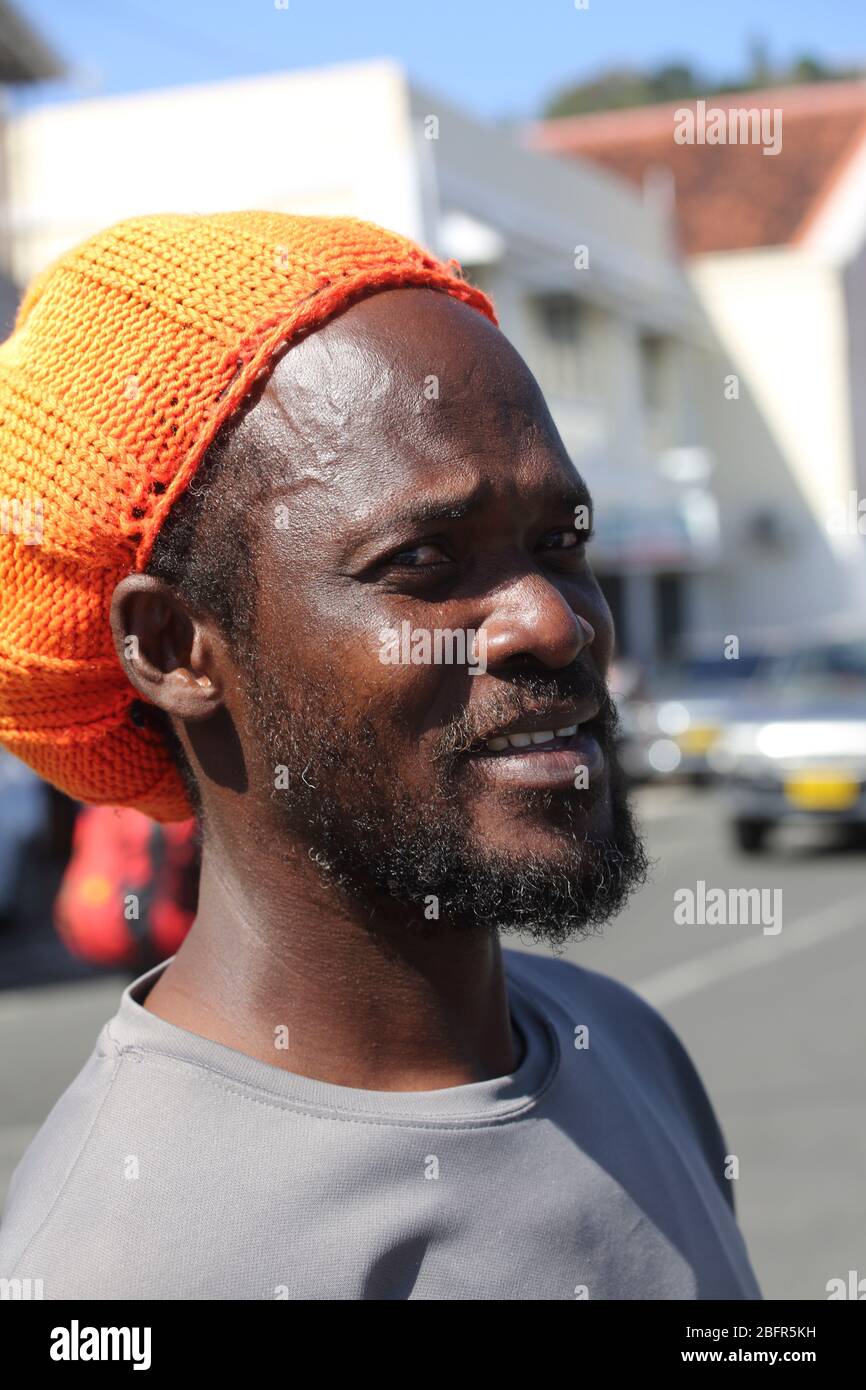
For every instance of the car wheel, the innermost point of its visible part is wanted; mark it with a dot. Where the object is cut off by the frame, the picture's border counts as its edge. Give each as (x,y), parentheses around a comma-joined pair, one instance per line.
(750,835)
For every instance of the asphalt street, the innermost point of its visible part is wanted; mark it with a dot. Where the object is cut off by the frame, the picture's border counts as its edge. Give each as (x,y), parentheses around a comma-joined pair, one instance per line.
(774,1022)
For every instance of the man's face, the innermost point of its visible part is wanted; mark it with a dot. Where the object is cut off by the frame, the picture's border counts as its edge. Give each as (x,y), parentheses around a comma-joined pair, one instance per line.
(420,487)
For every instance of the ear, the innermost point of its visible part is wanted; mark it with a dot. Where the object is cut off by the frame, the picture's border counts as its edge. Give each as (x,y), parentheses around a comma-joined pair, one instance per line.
(172,657)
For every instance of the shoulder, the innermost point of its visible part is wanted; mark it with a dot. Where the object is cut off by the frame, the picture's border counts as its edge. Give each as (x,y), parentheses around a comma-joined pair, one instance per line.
(600,997)
(40,1187)
(107,1201)
(638,1040)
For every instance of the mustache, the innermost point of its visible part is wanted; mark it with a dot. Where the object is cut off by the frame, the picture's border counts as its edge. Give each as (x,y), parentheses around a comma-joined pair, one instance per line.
(531,694)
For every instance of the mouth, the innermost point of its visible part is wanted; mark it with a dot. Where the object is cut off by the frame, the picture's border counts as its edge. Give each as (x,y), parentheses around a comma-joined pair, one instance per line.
(560,749)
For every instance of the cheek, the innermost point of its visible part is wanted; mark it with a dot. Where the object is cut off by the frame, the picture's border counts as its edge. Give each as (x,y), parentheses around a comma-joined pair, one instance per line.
(359,663)
(401,689)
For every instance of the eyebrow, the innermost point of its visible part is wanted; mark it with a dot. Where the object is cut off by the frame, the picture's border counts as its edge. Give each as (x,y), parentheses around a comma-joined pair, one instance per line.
(456,508)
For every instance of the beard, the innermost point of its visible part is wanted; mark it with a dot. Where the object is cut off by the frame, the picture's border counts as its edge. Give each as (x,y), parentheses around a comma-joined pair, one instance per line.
(371,837)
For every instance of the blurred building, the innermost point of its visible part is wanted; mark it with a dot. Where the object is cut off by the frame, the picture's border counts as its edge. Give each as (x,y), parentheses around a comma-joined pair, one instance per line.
(24,58)
(693,503)
(776,252)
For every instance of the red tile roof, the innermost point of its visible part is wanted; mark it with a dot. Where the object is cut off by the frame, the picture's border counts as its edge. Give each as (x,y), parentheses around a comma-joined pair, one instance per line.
(728,197)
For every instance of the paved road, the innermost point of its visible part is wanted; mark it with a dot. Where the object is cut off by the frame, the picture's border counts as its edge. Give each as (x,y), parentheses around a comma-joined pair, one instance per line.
(775,1024)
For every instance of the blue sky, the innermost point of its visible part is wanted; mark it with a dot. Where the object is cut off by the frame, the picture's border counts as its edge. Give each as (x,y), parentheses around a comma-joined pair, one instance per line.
(497,58)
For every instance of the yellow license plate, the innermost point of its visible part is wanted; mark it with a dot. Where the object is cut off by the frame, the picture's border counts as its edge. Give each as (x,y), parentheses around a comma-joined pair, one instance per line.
(699,738)
(822,791)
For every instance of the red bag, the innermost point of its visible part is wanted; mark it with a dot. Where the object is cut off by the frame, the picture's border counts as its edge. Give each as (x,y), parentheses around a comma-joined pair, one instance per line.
(128,896)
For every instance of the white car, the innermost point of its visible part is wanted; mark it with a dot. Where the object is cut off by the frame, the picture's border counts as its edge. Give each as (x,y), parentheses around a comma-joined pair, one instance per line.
(672,732)
(798,754)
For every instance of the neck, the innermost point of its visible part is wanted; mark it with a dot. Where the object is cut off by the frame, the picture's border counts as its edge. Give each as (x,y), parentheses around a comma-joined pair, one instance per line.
(284,967)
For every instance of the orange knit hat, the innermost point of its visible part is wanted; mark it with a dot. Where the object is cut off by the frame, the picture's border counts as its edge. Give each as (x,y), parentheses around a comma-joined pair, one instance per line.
(127,356)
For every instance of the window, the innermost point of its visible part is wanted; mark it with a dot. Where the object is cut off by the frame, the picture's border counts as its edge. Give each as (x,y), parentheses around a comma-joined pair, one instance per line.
(653,353)
(559,315)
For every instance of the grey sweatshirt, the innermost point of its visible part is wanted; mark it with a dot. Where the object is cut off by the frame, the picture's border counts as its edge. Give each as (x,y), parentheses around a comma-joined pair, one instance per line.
(176,1168)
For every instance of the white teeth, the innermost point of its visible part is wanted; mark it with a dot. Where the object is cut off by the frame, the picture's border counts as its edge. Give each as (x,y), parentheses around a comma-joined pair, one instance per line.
(496,745)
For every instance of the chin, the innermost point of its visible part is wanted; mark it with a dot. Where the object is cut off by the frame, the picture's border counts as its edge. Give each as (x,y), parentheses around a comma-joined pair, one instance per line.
(554,854)
(544,823)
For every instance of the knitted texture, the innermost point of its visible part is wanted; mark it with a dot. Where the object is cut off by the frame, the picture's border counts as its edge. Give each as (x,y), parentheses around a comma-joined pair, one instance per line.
(127,355)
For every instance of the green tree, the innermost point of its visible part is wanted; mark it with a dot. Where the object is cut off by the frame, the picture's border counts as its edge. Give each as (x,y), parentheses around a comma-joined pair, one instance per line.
(678,80)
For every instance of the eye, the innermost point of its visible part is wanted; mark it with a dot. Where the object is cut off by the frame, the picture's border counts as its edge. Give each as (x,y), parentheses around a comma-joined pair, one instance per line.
(424,556)
(566,539)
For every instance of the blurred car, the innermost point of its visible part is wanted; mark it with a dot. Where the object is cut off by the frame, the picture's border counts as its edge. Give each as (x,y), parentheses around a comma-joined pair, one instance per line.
(797,751)
(672,731)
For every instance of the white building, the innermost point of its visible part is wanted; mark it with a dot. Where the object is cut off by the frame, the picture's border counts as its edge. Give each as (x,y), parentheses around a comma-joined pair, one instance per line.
(776,252)
(24,59)
(582,269)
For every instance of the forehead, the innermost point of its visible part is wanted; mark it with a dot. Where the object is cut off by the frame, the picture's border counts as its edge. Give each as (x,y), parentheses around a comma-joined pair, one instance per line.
(402,388)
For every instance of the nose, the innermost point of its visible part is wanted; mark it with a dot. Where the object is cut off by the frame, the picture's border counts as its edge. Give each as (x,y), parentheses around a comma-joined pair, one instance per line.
(534,622)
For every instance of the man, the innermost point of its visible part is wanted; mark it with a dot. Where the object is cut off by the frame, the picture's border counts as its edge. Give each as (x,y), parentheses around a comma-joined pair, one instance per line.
(284,457)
